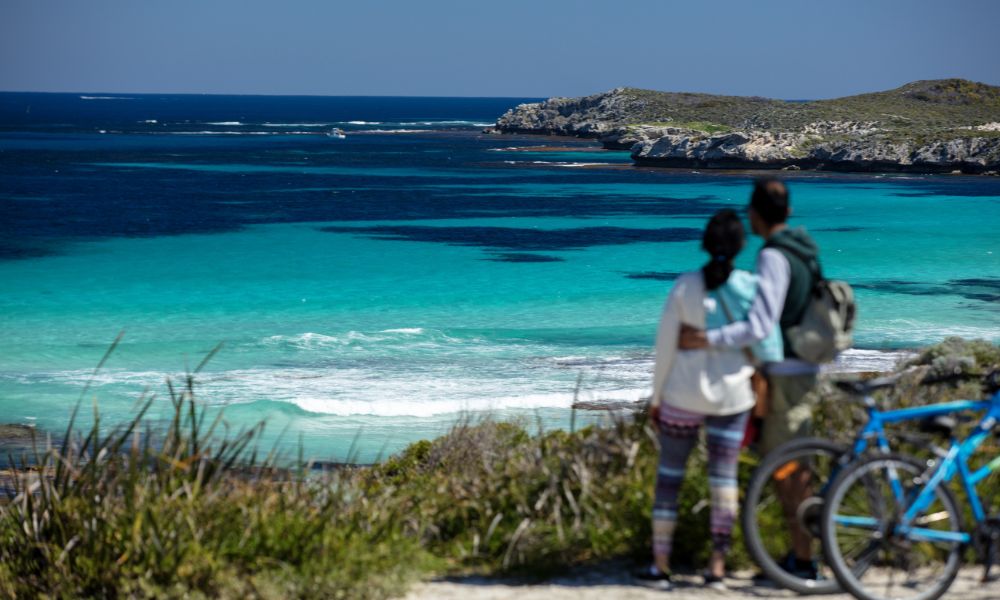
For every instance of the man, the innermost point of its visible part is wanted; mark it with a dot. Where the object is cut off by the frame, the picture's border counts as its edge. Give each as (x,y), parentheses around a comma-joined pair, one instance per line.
(783,294)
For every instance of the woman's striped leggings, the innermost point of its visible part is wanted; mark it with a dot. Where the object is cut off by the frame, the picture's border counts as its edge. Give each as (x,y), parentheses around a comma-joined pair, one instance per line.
(678,436)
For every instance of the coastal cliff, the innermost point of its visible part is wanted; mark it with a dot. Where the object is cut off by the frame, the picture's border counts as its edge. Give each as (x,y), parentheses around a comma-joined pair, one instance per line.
(925,126)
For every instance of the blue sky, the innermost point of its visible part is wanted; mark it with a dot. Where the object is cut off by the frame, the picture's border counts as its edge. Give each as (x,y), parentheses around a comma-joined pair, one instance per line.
(521,48)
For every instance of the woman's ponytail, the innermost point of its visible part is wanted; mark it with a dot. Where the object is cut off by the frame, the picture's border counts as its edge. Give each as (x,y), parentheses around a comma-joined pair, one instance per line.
(723,240)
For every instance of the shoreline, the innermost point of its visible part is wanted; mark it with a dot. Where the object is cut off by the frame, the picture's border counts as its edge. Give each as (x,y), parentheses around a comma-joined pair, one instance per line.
(16,438)
(722,165)
(721,168)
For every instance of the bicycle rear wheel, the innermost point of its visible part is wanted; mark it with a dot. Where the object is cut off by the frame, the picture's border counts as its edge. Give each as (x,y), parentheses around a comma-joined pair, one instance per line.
(863,545)
(773,521)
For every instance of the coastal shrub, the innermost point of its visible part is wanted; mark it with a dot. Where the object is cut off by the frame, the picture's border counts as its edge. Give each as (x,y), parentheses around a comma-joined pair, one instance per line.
(919,112)
(492,497)
(187,514)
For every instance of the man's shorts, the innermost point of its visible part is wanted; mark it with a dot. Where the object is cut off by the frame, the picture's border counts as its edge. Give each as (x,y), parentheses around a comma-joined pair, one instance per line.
(791,410)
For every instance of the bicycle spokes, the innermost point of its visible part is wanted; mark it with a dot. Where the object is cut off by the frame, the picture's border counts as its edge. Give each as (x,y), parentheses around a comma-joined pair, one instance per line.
(875,548)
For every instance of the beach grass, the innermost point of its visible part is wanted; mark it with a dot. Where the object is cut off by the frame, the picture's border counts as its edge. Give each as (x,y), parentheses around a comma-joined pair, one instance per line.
(188,510)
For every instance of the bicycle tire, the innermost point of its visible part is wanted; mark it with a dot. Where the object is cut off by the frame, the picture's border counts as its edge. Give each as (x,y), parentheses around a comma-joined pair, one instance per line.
(759,486)
(909,468)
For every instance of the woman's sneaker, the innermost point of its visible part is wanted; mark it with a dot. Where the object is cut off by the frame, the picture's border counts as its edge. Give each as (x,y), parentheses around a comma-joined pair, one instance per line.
(714,583)
(653,577)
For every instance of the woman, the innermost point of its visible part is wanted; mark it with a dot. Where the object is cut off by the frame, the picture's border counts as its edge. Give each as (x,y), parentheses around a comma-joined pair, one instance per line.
(710,387)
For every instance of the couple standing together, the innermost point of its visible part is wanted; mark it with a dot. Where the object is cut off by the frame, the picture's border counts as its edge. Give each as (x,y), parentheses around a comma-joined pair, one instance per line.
(719,323)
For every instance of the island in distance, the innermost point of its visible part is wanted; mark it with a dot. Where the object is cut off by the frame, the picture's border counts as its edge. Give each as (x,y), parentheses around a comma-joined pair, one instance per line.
(936,126)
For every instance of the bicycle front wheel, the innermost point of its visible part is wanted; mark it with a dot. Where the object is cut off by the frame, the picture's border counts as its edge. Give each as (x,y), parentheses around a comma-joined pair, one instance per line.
(871,556)
(782,509)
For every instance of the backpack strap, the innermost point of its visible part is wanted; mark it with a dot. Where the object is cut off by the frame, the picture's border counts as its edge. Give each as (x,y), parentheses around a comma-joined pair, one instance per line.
(811,263)
(747,352)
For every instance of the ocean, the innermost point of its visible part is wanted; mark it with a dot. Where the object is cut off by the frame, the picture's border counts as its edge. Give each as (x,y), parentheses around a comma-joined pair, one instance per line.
(373,290)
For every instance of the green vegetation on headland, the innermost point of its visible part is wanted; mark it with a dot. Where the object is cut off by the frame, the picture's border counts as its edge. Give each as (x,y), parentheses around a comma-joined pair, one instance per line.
(940,125)
(187,512)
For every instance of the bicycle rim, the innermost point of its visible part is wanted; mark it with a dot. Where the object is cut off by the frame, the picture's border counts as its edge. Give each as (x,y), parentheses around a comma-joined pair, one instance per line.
(868,555)
(769,521)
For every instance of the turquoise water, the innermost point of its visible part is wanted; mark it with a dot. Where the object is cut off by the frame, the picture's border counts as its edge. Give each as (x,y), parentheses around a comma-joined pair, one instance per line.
(494,289)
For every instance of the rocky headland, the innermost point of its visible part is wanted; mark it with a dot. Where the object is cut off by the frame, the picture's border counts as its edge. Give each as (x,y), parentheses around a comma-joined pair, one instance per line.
(935,126)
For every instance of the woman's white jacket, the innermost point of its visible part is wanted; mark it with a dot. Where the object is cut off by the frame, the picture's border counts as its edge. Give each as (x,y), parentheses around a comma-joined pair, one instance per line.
(714,381)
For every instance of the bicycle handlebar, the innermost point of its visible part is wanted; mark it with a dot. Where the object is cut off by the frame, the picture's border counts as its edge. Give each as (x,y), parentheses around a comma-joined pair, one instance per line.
(991,382)
(949,378)
(864,388)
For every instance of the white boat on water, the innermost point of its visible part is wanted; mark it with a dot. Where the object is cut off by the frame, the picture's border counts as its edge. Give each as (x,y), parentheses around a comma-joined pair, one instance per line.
(336,132)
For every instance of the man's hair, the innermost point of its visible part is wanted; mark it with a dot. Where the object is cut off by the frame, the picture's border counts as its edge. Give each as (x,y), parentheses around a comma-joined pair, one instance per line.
(770,200)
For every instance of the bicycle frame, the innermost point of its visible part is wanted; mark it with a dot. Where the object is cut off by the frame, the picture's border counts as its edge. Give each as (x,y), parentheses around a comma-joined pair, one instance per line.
(955,462)
(878,419)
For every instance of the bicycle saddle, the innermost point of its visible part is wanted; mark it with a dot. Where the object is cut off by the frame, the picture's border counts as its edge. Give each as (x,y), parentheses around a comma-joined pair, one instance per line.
(863,388)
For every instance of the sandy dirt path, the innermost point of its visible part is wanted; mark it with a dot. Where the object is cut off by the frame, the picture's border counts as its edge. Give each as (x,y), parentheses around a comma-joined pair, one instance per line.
(607,586)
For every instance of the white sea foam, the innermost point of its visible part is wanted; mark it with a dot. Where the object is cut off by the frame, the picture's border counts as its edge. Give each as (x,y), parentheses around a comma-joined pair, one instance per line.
(219,132)
(357,373)
(149,121)
(210,132)
(343,392)
(224,123)
(856,360)
(406,371)
(361,122)
(572,165)
(917,332)
(393,131)
(352,391)
(105,98)
(381,342)
(295,124)
(556,163)
(418,408)
(444,122)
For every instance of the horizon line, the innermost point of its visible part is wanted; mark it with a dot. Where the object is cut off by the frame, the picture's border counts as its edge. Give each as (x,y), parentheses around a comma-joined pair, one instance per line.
(87,93)
(522,97)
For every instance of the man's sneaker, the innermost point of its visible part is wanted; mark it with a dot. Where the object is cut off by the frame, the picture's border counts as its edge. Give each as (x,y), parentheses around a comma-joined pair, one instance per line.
(803,569)
(714,583)
(653,577)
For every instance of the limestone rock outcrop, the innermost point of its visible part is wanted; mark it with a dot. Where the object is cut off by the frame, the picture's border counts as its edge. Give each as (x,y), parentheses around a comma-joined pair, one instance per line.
(929,126)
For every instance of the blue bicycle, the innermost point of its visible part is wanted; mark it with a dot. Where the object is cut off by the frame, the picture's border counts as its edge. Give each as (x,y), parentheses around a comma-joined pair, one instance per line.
(785,497)
(891,527)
